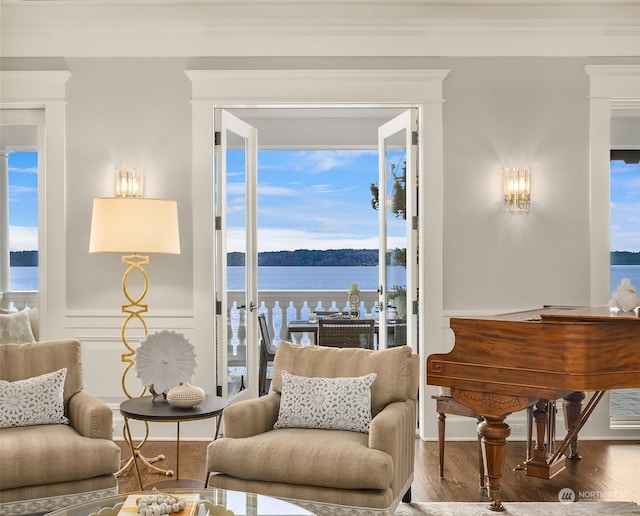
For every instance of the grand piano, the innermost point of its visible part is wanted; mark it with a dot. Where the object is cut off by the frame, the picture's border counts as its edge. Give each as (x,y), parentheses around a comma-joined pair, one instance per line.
(506,363)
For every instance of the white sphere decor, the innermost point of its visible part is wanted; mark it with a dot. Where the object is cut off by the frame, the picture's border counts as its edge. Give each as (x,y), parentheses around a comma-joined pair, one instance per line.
(185,395)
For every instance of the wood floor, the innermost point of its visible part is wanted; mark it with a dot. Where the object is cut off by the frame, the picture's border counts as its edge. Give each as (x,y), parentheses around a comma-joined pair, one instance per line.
(608,471)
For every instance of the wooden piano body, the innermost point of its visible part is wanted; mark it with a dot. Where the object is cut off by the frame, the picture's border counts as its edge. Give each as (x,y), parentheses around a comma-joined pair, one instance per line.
(503,364)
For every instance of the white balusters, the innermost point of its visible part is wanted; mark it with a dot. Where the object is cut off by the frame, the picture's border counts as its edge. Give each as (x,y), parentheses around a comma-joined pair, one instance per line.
(277,322)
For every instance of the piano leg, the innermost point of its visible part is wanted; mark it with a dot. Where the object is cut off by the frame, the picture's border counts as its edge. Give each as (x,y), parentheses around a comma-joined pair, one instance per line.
(572,405)
(539,464)
(494,432)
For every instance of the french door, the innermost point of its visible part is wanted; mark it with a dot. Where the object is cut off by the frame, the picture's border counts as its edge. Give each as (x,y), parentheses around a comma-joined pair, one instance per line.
(398,258)
(236,244)
(235,208)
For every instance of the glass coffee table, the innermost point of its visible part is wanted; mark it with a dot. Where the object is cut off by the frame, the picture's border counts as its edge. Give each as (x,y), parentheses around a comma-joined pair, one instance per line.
(242,504)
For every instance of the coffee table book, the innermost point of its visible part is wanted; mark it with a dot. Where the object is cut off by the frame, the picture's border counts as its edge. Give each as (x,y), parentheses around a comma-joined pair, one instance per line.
(130,505)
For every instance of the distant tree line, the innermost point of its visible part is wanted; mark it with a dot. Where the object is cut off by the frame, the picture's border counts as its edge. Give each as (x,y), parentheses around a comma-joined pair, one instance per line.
(307,257)
(625,258)
(23,259)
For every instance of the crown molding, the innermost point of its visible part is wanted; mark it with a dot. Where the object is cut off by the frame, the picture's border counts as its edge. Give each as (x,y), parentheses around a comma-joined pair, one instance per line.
(84,28)
(32,88)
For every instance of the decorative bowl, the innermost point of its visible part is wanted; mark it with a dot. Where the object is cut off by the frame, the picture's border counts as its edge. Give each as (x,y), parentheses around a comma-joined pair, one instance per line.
(185,395)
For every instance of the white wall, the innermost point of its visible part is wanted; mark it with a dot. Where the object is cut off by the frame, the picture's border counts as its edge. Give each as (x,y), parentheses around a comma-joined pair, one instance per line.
(516,112)
(127,112)
(497,112)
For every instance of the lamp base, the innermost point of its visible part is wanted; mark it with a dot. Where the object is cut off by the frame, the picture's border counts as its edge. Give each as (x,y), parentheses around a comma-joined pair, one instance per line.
(146,461)
(134,310)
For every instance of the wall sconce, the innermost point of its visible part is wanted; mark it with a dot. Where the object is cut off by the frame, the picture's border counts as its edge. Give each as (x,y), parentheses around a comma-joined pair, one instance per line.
(129,182)
(517,189)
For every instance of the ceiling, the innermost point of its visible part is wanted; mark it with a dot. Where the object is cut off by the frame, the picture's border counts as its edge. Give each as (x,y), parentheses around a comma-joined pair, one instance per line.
(311,28)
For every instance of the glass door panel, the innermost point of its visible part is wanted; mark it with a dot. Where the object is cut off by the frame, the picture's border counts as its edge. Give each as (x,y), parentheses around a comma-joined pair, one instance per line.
(398,236)
(235,209)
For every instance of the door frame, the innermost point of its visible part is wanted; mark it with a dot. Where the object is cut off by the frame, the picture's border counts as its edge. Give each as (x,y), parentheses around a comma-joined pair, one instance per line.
(421,89)
(46,91)
(610,87)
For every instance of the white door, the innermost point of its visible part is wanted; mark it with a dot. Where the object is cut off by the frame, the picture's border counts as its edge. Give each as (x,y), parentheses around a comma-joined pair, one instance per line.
(236,287)
(397,195)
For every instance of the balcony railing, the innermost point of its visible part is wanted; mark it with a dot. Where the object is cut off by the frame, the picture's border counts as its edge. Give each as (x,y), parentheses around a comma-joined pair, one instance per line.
(19,299)
(269,299)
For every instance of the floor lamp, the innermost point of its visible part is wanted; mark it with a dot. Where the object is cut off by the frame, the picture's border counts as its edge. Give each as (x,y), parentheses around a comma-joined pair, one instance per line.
(135,228)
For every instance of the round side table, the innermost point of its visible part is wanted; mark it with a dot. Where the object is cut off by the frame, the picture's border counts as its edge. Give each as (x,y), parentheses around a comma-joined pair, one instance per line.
(146,409)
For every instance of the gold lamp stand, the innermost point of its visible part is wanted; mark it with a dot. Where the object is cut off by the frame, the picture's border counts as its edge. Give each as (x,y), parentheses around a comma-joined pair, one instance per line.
(123,225)
(134,310)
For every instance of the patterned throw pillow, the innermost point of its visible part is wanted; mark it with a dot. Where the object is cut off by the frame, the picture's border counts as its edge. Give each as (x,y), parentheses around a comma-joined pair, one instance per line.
(328,403)
(34,401)
(15,328)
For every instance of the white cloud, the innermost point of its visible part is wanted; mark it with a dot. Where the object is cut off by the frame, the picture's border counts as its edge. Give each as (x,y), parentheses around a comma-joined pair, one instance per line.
(15,190)
(320,161)
(268,190)
(24,170)
(23,238)
(292,239)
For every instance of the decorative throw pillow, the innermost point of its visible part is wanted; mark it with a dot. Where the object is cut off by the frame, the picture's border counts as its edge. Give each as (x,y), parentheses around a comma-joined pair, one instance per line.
(328,403)
(34,401)
(15,328)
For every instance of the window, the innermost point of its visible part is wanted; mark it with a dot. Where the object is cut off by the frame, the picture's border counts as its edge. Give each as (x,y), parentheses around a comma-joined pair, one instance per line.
(625,250)
(23,220)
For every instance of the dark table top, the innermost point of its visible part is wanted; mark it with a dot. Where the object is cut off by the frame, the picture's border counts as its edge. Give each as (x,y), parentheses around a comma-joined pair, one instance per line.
(145,409)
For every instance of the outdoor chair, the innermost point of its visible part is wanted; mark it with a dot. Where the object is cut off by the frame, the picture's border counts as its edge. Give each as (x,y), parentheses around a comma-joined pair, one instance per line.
(346,333)
(267,354)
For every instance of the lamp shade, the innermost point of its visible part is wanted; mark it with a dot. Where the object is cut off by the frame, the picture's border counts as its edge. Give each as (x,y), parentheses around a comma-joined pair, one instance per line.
(132,225)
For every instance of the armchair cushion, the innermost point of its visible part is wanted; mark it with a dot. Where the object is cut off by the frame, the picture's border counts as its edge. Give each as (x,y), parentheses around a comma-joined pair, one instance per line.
(33,401)
(43,455)
(326,458)
(15,328)
(395,381)
(20,361)
(327,403)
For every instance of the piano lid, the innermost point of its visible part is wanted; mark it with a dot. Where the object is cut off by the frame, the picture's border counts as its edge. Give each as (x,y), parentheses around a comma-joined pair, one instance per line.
(539,353)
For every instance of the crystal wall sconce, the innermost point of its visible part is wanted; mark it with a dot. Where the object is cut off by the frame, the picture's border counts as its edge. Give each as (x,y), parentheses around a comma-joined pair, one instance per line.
(129,182)
(517,189)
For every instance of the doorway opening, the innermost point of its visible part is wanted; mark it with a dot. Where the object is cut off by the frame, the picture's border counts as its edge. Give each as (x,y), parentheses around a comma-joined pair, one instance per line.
(317,223)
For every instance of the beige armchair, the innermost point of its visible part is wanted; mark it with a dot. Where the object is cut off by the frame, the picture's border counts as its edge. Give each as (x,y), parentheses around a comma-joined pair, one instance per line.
(324,470)
(48,466)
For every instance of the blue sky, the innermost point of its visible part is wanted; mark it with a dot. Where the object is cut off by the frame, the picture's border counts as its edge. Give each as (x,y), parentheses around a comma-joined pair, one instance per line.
(625,207)
(311,200)
(23,201)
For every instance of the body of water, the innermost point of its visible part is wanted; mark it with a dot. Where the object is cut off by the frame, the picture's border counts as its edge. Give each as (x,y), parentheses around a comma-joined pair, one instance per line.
(624,271)
(311,278)
(23,278)
(315,278)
